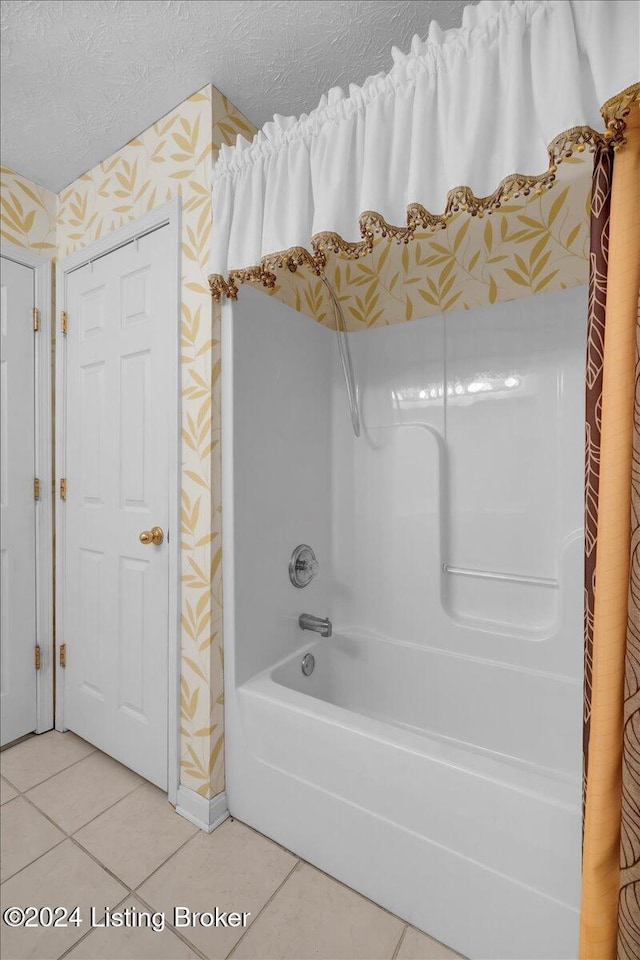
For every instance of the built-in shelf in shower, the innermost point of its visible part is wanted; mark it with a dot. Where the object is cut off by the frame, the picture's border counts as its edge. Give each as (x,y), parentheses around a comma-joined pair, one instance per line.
(494,575)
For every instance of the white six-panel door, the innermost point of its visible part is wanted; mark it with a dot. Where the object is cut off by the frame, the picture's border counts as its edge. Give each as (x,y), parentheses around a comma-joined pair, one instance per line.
(117,440)
(17,519)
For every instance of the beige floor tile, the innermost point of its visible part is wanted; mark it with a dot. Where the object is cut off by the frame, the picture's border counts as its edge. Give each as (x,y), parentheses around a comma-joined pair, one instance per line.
(136,835)
(418,946)
(7,791)
(233,869)
(77,795)
(26,835)
(67,877)
(313,915)
(37,758)
(134,943)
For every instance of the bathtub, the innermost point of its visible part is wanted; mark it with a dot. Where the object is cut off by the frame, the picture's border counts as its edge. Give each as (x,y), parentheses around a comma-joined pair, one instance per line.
(431,761)
(472,835)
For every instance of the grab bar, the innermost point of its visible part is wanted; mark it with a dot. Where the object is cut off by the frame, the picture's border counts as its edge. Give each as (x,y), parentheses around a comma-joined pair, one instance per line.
(491,575)
(345,357)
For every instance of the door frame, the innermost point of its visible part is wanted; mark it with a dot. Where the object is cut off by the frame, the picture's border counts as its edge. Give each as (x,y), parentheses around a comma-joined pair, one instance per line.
(167,215)
(43,469)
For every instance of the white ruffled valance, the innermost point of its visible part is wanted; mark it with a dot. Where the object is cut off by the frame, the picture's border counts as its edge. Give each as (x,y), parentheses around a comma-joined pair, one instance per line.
(465,107)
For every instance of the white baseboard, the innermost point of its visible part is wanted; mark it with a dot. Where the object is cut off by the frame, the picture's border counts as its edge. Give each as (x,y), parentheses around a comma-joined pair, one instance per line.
(206,814)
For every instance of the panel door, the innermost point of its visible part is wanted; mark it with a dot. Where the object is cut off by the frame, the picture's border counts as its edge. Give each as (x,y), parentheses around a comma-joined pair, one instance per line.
(115,623)
(18,518)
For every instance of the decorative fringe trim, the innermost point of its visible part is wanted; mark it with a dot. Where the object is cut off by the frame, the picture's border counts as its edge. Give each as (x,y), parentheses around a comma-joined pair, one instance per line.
(615,112)
(373,225)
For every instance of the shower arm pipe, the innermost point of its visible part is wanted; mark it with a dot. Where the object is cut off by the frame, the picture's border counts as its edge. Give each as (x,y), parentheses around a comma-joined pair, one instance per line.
(345,358)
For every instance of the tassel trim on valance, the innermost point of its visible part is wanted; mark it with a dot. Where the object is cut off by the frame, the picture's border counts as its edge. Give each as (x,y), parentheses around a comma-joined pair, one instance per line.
(373,225)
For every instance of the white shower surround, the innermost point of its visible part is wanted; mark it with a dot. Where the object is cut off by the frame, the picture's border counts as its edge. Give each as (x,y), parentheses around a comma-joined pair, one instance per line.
(466,107)
(432,760)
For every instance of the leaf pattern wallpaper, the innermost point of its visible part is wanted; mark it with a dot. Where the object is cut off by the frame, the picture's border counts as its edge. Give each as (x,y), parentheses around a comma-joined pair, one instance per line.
(533,244)
(28,214)
(174,157)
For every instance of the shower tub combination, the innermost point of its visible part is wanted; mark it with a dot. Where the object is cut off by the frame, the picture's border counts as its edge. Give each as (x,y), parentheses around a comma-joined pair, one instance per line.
(431,759)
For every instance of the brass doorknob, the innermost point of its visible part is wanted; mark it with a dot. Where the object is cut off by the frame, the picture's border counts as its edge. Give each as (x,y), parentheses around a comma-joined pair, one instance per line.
(155,535)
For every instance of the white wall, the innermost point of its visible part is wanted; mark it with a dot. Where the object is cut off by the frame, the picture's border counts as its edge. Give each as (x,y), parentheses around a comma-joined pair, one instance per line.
(471,456)
(281,474)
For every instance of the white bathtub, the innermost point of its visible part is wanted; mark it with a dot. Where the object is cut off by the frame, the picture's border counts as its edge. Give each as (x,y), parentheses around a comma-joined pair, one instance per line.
(476,844)
(457,700)
(436,771)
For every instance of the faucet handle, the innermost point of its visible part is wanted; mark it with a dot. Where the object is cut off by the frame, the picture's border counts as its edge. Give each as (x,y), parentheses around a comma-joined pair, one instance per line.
(309,567)
(303,566)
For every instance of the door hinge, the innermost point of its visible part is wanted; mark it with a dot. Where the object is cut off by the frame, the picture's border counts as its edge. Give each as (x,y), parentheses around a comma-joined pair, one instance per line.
(36,319)
(64,322)
(63,488)
(63,655)
(38,658)
(36,488)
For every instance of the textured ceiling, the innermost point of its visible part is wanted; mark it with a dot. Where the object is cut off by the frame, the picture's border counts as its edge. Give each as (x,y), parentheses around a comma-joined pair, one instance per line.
(82,77)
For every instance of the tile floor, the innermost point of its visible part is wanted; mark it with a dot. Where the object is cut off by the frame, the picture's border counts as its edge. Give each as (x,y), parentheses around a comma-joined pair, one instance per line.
(79,829)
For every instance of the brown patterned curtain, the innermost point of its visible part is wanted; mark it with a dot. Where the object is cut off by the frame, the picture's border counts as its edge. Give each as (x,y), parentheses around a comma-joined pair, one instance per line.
(610,910)
(629,906)
(598,267)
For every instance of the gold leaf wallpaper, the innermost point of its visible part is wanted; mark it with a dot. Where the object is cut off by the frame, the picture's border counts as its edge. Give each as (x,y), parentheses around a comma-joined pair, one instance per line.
(28,217)
(172,158)
(533,244)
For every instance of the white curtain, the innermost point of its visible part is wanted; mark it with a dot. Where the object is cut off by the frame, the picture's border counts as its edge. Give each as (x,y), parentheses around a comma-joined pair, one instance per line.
(465,107)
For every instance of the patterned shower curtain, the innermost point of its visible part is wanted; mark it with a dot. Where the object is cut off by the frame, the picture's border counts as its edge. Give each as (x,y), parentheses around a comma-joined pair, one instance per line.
(610,912)
(598,267)
(629,905)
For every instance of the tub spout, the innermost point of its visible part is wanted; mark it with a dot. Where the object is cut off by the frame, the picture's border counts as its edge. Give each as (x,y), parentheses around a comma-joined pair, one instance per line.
(321,625)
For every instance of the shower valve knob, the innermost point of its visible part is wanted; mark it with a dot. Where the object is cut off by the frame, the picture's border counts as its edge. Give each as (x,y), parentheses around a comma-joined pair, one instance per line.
(308,566)
(303,566)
